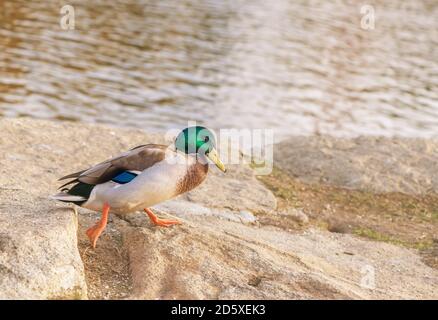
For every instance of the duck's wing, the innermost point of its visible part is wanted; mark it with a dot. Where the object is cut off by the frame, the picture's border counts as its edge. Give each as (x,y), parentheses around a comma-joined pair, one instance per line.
(136,159)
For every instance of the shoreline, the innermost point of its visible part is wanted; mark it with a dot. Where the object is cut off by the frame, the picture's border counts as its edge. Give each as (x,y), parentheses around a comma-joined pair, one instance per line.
(282,231)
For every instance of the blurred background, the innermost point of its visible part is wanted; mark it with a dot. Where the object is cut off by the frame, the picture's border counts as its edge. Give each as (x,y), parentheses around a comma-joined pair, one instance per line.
(299,67)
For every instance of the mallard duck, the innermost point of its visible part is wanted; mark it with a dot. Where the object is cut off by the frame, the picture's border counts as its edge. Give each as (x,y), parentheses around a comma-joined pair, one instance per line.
(142,177)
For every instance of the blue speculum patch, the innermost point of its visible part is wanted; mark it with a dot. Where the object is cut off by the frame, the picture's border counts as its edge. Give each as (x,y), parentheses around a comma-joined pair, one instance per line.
(124,177)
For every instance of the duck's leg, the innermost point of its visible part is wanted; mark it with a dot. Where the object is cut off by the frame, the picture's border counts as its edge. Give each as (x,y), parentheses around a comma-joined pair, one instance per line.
(160,222)
(94,232)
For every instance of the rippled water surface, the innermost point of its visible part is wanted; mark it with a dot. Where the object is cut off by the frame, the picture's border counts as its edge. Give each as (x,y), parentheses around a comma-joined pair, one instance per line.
(300,67)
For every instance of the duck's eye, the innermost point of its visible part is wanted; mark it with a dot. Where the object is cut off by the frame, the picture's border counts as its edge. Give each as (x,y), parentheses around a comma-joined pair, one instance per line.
(206,139)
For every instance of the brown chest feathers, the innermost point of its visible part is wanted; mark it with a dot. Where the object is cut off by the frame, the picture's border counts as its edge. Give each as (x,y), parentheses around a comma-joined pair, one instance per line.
(195,175)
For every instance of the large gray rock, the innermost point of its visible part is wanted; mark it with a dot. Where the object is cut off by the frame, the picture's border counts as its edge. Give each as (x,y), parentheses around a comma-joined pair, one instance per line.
(39,258)
(38,244)
(366,163)
(237,189)
(207,258)
(220,251)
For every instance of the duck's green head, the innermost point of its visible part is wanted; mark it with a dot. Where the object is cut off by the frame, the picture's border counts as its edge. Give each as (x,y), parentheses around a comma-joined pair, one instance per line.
(199,140)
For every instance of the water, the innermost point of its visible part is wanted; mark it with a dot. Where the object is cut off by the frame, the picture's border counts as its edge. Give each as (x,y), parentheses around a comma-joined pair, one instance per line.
(299,67)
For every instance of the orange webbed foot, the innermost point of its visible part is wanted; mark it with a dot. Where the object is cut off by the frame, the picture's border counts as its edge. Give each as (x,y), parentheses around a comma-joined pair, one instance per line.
(95,231)
(160,222)
(93,234)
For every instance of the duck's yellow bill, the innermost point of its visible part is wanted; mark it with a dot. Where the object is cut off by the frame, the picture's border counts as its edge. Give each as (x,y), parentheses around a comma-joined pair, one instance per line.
(213,156)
